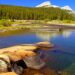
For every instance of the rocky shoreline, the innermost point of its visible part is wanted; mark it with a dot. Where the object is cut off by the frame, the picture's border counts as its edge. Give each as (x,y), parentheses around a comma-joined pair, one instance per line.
(29,27)
(25,52)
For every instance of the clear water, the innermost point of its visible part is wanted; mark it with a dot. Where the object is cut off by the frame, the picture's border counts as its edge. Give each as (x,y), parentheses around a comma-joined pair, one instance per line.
(61,58)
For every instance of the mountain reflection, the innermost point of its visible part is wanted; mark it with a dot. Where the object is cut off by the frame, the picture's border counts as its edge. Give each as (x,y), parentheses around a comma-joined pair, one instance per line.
(66,33)
(47,35)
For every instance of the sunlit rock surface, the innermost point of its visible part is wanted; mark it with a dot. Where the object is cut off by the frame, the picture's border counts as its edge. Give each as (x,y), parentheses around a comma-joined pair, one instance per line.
(8,73)
(19,52)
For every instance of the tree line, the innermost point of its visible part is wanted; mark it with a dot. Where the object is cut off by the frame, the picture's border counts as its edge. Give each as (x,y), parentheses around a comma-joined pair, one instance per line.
(27,13)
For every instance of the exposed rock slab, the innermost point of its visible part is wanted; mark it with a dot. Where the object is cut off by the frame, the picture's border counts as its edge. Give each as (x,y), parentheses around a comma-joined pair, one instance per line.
(18,52)
(8,73)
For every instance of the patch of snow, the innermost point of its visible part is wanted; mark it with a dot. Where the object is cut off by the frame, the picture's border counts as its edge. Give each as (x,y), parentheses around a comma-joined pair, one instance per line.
(67,8)
(47,4)
(55,6)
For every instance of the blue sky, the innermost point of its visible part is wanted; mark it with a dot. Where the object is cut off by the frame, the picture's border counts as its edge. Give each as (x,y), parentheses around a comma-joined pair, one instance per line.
(32,3)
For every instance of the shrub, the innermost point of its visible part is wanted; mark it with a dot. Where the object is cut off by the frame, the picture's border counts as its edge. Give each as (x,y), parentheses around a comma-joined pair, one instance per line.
(6,23)
(67,21)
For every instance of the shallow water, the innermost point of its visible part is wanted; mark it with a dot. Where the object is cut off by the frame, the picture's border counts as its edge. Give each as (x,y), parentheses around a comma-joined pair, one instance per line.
(61,58)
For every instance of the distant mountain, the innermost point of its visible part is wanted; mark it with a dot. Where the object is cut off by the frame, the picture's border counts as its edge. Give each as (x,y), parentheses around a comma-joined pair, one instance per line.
(67,8)
(48,4)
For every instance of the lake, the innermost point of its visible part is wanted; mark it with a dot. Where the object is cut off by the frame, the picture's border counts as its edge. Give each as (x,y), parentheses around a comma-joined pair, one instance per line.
(61,58)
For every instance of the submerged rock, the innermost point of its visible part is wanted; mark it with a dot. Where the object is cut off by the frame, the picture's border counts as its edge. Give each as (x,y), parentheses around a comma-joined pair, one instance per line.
(43,71)
(34,62)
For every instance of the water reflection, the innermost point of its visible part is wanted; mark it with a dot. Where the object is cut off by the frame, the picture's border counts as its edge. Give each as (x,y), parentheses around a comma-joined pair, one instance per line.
(46,36)
(66,33)
(62,58)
